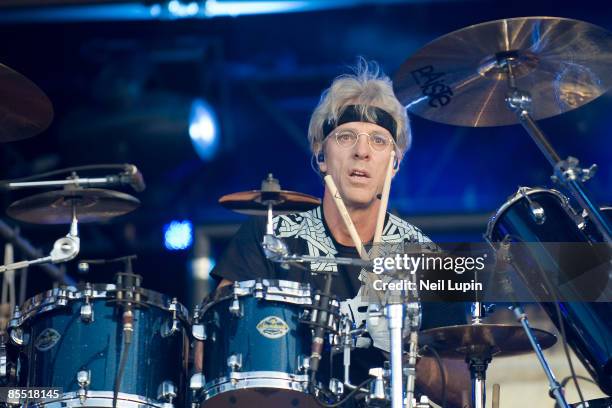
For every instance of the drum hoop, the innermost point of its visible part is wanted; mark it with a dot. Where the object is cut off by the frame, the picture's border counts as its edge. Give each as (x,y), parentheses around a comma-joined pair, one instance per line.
(519,195)
(289,292)
(235,382)
(94,397)
(59,297)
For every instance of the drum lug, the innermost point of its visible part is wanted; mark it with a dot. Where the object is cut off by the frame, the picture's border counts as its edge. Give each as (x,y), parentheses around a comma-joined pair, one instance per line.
(336,387)
(3,362)
(169,329)
(199,332)
(197,382)
(235,307)
(83,379)
(18,337)
(303,363)
(166,391)
(538,215)
(196,385)
(258,291)
(62,298)
(87,313)
(377,386)
(234,362)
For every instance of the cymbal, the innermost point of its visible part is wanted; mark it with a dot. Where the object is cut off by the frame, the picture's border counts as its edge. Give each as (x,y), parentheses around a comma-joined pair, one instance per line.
(25,110)
(497,339)
(456,79)
(55,207)
(254,202)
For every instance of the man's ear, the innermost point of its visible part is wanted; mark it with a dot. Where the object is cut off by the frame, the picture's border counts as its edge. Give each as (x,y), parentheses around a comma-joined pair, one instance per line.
(396,165)
(320,158)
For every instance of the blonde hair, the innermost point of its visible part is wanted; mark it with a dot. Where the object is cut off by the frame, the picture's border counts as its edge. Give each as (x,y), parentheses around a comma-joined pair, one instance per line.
(367,88)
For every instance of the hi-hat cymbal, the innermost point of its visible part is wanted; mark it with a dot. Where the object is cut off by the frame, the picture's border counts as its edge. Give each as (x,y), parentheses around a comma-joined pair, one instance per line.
(24,109)
(254,202)
(495,339)
(55,207)
(459,78)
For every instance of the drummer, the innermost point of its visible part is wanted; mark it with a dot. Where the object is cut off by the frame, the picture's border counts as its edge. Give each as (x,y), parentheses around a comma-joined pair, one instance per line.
(352,132)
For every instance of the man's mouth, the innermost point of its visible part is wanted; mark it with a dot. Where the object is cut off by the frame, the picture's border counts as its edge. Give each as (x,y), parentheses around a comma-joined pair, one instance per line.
(359,173)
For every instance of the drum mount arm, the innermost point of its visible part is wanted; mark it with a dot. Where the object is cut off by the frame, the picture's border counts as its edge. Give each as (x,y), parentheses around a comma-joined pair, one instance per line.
(566,172)
(64,249)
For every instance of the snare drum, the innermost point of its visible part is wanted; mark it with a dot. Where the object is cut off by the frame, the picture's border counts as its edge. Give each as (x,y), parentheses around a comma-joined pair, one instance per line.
(255,346)
(73,339)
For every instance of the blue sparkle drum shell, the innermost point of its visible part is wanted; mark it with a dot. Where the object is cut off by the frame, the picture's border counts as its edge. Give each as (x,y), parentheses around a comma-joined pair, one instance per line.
(65,346)
(539,217)
(255,347)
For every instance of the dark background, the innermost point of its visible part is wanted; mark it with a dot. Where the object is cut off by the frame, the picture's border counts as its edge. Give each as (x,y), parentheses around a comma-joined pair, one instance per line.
(122,83)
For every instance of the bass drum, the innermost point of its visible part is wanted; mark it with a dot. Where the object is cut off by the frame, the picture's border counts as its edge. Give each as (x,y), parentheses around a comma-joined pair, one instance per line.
(75,339)
(541,216)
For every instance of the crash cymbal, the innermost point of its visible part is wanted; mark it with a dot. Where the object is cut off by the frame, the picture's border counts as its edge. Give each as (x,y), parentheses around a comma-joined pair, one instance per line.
(254,202)
(55,207)
(459,78)
(495,339)
(24,109)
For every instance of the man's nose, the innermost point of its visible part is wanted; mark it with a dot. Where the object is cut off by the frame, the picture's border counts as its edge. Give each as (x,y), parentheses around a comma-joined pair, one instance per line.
(362,149)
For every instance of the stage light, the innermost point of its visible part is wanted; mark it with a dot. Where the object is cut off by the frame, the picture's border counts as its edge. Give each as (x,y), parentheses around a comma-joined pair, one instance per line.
(214,8)
(203,129)
(178,235)
(183,9)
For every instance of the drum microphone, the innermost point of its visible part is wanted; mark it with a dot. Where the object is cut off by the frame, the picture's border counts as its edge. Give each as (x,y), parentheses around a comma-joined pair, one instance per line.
(134,178)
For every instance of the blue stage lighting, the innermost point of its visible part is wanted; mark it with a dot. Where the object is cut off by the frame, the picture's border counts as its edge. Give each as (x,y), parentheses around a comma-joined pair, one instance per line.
(178,235)
(203,129)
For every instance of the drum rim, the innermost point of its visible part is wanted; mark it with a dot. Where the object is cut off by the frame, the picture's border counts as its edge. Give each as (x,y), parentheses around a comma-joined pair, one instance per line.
(142,401)
(52,299)
(245,288)
(516,197)
(225,384)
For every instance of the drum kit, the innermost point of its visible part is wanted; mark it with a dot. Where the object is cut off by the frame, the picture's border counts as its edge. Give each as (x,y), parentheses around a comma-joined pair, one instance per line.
(121,345)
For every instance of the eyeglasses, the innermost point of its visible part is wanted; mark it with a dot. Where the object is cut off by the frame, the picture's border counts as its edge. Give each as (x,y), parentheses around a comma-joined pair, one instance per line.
(348,138)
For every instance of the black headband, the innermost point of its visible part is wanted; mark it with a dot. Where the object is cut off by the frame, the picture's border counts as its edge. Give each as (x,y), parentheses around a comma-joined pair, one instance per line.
(351,114)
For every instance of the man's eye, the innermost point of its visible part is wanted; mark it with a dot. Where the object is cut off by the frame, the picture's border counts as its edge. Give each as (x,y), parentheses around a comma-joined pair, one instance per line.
(379,140)
(345,137)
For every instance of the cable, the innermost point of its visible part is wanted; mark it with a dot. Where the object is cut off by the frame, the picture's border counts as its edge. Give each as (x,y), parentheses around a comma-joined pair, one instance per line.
(553,292)
(67,170)
(567,354)
(124,356)
(128,330)
(442,371)
(348,396)
(582,377)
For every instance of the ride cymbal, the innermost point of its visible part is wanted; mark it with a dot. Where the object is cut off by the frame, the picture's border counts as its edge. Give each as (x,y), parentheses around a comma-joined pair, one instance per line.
(461,78)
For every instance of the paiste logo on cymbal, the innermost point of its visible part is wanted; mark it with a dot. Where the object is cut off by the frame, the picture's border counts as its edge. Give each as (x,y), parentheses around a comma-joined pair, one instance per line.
(272,327)
(432,86)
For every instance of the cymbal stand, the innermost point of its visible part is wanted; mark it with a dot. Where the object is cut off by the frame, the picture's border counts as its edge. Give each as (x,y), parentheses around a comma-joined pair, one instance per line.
(64,249)
(413,311)
(395,317)
(566,172)
(478,358)
(555,388)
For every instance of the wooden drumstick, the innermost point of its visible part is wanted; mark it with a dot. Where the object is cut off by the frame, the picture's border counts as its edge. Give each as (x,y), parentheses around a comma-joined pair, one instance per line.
(384,200)
(333,190)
